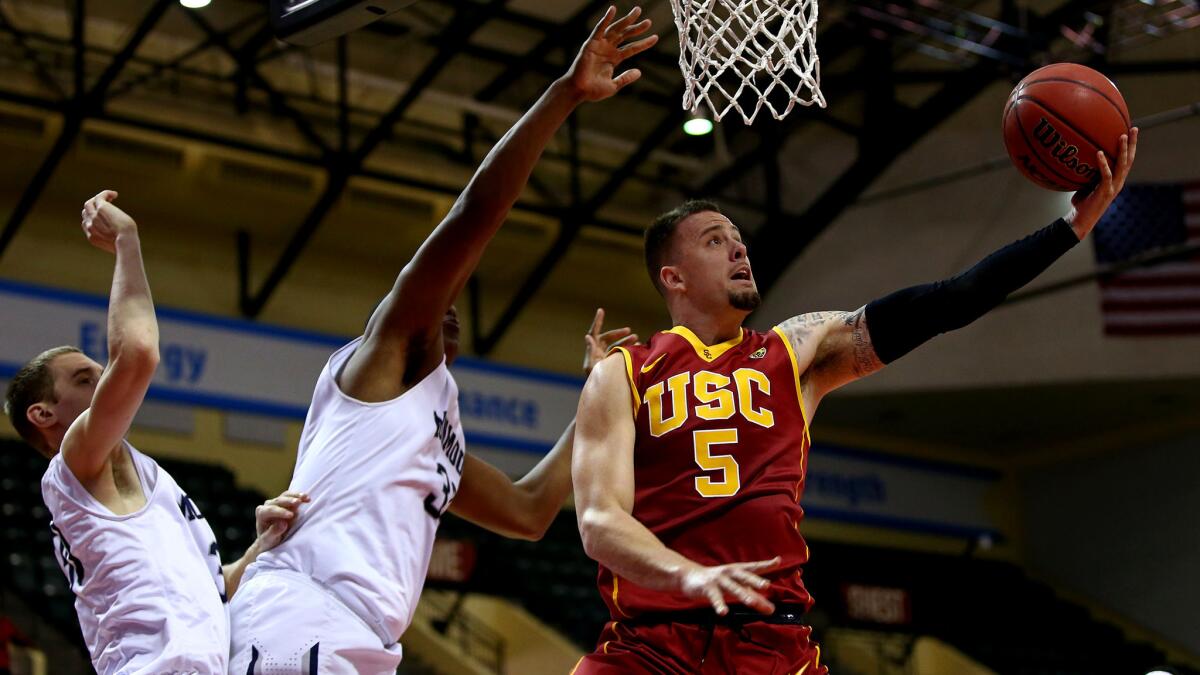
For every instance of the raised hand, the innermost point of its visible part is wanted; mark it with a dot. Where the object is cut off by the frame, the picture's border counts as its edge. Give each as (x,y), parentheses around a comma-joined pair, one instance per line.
(591,75)
(102,221)
(735,580)
(599,344)
(274,518)
(1090,205)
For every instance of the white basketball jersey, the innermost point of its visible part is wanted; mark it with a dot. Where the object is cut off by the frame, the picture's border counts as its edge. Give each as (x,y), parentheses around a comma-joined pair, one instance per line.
(148,585)
(380,476)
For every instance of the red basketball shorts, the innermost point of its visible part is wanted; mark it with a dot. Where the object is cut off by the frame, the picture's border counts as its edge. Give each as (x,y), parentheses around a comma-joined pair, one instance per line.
(755,648)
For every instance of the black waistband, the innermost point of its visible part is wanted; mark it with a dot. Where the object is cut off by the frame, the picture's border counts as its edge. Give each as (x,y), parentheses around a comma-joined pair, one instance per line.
(738,615)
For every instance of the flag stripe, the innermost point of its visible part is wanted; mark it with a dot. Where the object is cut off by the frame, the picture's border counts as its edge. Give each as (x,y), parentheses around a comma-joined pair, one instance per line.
(1163,299)
(1151,294)
(1139,306)
(1153,330)
(1173,281)
(1162,318)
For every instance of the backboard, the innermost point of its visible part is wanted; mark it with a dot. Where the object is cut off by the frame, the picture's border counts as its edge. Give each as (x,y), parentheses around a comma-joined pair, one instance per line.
(310,22)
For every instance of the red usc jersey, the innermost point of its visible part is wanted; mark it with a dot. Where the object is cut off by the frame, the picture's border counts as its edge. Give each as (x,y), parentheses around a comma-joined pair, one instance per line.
(719,459)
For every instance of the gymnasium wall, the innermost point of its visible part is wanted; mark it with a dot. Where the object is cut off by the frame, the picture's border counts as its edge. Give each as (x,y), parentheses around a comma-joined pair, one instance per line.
(935,233)
(1120,530)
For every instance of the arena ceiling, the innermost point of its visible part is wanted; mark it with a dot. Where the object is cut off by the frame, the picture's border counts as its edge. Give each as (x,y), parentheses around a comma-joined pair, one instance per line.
(404,109)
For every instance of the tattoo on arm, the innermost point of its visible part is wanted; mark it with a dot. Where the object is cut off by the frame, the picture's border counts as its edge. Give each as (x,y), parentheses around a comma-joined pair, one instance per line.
(843,351)
(865,360)
(799,328)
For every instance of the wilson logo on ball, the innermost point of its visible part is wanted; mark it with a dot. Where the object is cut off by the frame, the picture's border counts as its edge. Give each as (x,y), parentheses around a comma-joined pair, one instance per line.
(1062,151)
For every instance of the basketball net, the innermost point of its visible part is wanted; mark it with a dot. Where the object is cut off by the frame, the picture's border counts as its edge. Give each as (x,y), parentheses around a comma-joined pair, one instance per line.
(736,53)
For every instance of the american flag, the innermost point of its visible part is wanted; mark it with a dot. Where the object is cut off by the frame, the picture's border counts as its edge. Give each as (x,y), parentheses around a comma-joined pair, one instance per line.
(1163,299)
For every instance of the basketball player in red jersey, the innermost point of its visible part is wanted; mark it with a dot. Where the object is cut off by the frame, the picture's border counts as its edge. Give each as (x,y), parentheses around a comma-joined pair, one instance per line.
(691,450)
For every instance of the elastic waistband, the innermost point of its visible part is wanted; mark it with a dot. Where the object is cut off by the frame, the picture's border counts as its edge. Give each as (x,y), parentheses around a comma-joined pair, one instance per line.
(784,614)
(307,580)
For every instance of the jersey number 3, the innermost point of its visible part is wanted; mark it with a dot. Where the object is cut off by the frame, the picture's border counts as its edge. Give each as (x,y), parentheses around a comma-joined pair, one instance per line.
(730,480)
(432,505)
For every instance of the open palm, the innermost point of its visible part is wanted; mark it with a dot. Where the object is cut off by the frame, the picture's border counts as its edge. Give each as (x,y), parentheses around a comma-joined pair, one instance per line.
(592,73)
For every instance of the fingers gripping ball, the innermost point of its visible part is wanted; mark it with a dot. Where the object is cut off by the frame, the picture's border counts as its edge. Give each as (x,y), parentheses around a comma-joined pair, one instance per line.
(1055,121)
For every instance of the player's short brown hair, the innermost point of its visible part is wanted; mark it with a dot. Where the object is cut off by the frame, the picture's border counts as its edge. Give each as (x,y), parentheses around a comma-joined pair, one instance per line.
(658,235)
(32,384)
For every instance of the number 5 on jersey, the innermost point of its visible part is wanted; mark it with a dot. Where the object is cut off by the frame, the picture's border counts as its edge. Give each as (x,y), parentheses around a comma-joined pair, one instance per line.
(731,478)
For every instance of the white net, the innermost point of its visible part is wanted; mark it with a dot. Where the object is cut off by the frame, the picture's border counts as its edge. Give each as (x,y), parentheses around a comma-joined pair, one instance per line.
(746,54)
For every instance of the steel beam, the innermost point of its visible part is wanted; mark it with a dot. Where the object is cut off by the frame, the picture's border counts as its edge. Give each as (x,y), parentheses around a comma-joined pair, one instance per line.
(250,73)
(525,63)
(581,19)
(96,95)
(78,15)
(84,104)
(571,226)
(32,56)
(174,64)
(343,94)
(301,159)
(37,184)
(462,27)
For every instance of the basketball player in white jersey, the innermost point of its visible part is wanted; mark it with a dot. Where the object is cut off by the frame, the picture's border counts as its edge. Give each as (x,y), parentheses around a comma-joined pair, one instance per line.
(149,587)
(382,449)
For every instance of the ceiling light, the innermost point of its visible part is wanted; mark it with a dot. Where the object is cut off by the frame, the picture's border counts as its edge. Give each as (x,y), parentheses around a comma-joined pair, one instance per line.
(697,124)
(194,4)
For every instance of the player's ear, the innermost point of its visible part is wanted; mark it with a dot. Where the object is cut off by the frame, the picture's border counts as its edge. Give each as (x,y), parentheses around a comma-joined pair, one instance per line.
(41,415)
(671,278)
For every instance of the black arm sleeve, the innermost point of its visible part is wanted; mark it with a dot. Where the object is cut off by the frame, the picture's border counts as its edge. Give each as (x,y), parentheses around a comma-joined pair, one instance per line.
(902,321)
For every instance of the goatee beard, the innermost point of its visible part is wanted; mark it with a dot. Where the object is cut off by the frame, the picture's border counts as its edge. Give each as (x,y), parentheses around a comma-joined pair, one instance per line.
(745,300)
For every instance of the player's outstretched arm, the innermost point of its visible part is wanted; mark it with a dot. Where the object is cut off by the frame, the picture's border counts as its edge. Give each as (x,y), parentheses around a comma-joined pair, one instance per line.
(604,492)
(834,348)
(132,343)
(272,521)
(403,334)
(525,509)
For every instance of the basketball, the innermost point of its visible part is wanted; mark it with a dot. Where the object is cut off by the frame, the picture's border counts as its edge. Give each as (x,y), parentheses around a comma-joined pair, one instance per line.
(1055,121)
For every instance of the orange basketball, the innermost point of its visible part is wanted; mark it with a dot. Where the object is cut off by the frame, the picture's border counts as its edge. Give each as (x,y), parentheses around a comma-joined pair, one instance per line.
(1055,121)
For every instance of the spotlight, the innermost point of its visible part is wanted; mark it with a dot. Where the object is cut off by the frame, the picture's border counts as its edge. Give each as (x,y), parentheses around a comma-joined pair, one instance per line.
(194,4)
(1160,671)
(697,124)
